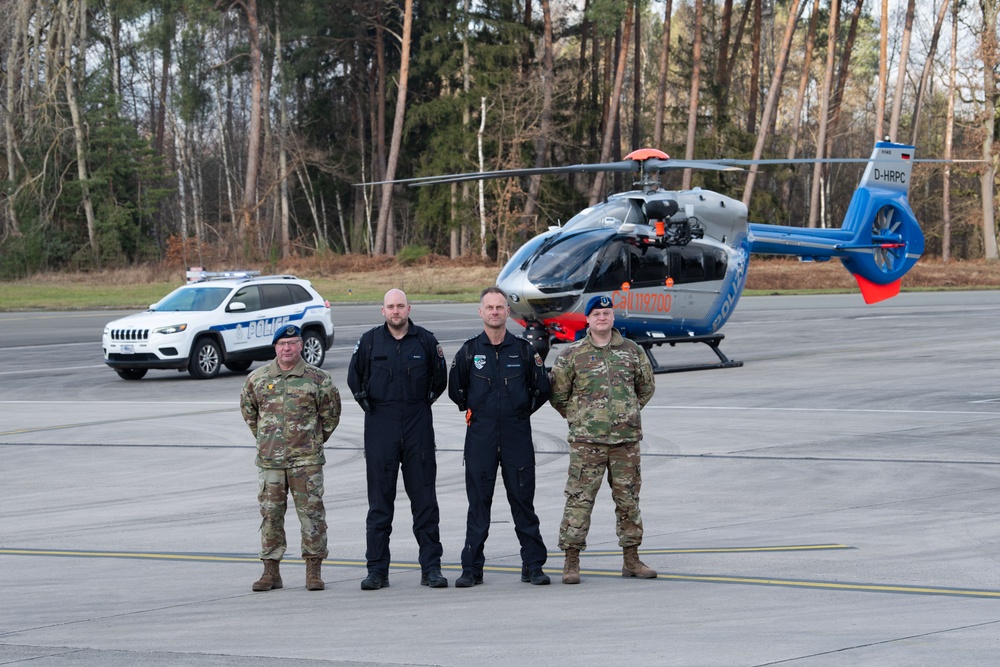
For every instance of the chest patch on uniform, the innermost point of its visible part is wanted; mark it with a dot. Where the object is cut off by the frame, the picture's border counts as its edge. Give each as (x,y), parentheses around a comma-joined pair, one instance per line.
(480,361)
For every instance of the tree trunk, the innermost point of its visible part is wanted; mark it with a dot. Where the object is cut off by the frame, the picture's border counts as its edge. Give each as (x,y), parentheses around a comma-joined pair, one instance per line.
(14,106)
(722,67)
(842,75)
(75,28)
(772,96)
(692,124)
(382,236)
(661,88)
(803,81)
(925,75)
(542,142)
(904,56)
(480,183)
(988,179)
(824,114)
(609,130)
(754,69)
(245,226)
(949,134)
(883,71)
(284,237)
(637,84)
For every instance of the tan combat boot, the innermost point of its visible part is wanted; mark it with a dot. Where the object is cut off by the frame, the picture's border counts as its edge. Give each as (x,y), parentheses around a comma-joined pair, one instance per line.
(571,568)
(313,582)
(271,578)
(634,567)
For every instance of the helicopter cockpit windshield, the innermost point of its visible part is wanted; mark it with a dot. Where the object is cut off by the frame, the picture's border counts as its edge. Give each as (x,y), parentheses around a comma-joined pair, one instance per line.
(566,265)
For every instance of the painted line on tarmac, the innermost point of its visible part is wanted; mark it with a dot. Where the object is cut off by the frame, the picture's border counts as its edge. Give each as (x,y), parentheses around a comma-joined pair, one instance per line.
(60,369)
(742,408)
(125,420)
(856,587)
(718,550)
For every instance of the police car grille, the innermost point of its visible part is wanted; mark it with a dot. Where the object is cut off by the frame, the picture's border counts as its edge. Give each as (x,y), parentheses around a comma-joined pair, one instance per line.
(130,334)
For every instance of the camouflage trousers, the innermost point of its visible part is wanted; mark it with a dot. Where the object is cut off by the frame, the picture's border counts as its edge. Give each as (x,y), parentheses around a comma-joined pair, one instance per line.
(587,463)
(306,486)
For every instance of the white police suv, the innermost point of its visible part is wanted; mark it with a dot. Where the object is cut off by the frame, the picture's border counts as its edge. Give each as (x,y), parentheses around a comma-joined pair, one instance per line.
(219,320)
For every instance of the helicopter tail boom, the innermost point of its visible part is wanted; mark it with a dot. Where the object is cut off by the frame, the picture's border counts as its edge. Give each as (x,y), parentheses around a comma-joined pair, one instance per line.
(879,240)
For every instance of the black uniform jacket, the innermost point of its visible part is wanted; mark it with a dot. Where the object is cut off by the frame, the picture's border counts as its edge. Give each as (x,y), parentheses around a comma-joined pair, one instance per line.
(498,383)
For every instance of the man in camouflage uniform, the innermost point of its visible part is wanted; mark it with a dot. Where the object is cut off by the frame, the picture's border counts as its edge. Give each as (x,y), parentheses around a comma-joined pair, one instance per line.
(291,408)
(599,384)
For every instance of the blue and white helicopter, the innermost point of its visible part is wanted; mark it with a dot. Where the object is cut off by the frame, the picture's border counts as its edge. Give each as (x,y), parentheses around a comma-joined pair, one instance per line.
(675,262)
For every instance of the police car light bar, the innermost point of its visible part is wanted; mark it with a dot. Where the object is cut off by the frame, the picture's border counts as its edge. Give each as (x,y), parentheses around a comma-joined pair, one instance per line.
(196,274)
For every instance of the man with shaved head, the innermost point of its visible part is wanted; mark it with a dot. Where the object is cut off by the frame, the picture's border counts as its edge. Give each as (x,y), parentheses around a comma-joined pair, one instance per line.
(397,372)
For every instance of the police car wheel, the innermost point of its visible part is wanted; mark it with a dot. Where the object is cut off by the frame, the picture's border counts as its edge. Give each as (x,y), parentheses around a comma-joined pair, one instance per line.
(312,348)
(205,359)
(131,373)
(238,366)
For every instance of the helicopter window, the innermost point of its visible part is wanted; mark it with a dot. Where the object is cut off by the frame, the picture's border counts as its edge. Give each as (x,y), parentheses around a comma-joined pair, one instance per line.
(568,263)
(692,264)
(611,270)
(612,213)
(649,266)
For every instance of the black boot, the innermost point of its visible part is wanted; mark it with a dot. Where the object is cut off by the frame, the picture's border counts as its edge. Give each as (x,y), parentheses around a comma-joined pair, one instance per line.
(469,579)
(534,576)
(433,578)
(374,581)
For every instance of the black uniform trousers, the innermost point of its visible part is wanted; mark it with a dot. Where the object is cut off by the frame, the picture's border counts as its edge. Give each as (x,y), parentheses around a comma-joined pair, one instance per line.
(400,435)
(506,444)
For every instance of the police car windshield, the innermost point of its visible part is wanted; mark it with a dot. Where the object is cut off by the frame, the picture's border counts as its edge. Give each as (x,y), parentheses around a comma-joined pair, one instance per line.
(193,298)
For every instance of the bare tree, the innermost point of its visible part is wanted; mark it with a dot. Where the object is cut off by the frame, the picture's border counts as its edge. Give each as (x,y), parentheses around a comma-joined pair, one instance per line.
(609,128)
(692,124)
(382,235)
(842,75)
(883,71)
(925,75)
(949,135)
(245,226)
(722,71)
(989,53)
(824,114)
(15,62)
(661,88)
(772,96)
(904,56)
(548,85)
(74,29)
(754,68)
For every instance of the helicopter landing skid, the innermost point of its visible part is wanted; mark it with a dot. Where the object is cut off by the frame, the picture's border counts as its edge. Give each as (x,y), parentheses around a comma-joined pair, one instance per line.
(712,341)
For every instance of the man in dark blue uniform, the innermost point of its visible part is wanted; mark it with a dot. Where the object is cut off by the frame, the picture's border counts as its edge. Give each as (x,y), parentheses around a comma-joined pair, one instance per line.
(499,381)
(397,371)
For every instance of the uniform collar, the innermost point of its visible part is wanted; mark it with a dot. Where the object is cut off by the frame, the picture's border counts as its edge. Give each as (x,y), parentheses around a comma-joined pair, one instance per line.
(298,369)
(616,339)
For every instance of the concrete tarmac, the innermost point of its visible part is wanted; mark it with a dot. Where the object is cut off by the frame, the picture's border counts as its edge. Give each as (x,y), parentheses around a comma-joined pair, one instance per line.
(832,502)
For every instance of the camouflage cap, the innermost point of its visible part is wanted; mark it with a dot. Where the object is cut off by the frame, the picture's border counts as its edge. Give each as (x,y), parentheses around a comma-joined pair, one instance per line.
(289,331)
(601,301)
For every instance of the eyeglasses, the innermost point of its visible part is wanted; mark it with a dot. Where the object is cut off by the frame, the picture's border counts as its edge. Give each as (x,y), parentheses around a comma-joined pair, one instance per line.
(289,342)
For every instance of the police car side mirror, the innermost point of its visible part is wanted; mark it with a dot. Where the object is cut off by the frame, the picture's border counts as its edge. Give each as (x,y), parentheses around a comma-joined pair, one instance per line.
(236,306)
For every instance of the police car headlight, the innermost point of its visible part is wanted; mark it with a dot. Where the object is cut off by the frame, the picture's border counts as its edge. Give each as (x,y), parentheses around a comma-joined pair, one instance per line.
(172,329)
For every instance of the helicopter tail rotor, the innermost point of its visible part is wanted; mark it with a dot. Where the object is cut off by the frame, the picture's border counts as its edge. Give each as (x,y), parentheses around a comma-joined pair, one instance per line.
(880,239)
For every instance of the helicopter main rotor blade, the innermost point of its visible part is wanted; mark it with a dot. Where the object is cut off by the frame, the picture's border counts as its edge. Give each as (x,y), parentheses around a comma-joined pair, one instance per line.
(658,165)
(623,166)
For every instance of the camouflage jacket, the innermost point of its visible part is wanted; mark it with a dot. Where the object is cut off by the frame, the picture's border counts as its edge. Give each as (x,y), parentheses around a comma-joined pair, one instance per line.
(600,390)
(290,413)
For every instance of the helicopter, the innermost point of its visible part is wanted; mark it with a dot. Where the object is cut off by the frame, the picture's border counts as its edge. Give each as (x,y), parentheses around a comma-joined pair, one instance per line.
(674,263)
